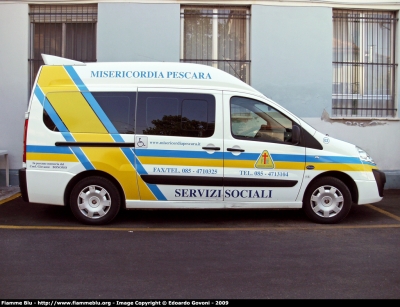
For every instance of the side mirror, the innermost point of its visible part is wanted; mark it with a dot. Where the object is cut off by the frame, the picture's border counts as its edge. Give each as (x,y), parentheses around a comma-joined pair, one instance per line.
(296,135)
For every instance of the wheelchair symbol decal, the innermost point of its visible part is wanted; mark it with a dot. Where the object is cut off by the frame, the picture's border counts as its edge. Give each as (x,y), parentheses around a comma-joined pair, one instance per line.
(141,142)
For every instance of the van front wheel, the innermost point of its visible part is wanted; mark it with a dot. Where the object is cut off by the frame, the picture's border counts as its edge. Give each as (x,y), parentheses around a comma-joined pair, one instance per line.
(327,201)
(95,200)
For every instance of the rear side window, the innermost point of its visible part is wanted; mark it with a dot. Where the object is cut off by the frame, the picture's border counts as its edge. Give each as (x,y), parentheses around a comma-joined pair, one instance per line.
(120,109)
(176,114)
(99,112)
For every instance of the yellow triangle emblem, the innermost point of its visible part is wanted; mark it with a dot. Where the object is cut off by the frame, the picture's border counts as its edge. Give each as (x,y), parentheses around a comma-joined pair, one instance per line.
(264,160)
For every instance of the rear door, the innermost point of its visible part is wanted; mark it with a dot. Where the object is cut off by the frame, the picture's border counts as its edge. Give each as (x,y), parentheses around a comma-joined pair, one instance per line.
(261,164)
(179,146)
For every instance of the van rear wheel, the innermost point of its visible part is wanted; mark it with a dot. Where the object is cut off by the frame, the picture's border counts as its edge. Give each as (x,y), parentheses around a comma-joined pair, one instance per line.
(327,201)
(95,200)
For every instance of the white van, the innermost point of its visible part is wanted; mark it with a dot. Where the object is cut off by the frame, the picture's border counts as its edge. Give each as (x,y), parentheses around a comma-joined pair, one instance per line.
(104,136)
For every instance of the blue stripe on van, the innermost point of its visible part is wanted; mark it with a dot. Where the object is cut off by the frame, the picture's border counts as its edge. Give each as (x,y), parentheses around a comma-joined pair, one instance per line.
(141,171)
(49,109)
(92,101)
(296,158)
(275,157)
(78,152)
(100,113)
(333,159)
(245,156)
(48,149)
(74,76)
(62,128)
(156,191)
(177,154)
(82,158)
(54,116)
(39,94)
(61,150)
(117,138)
(368,163)
(130,155)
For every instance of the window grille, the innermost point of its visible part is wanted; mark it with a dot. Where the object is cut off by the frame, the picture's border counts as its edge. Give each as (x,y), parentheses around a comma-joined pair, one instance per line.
(364,66)
(62,30)
(217,37)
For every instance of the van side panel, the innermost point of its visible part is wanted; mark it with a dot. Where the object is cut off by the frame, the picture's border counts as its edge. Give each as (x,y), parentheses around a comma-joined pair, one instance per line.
(79,119)
(176,135)
(176,164)
(47,187)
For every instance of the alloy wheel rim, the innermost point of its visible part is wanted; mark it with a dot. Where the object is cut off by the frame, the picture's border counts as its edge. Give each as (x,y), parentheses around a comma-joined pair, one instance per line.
(327,201)
(94,201)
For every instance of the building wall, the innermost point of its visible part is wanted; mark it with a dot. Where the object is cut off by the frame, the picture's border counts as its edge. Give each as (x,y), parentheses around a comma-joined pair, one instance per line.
(291,54)
(381,141)
(128,32)
(14,38)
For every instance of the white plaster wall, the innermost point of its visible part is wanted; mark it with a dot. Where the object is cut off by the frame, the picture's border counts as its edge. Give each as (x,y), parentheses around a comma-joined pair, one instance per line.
(14,38)
(291,53)
(291,68)
(138,32)
(381,141)
(291,56)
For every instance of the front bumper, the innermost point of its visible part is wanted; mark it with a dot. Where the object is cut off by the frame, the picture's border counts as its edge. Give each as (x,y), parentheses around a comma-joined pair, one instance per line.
(380,179)
(22,184)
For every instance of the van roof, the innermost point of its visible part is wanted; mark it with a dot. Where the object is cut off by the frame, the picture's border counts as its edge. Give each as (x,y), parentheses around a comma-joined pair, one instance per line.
(150,74)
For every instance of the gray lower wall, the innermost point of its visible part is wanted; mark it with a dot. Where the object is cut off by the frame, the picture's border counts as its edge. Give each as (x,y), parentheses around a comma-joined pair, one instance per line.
(392,180)
(14,178)
(138,32)
(14,79)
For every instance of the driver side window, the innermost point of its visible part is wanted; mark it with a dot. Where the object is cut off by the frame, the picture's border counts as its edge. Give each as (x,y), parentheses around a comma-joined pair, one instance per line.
(255,120)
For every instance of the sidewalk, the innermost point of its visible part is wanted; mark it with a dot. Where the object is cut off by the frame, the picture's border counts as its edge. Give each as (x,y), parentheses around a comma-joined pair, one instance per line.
(6,192)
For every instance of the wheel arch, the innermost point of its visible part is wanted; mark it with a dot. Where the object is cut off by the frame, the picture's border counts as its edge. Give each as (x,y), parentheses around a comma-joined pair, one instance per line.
(90,173)
(345,178)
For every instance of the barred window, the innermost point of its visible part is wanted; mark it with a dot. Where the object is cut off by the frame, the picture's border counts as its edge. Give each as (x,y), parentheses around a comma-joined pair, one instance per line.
(62,30)
(363,63)
(217,37)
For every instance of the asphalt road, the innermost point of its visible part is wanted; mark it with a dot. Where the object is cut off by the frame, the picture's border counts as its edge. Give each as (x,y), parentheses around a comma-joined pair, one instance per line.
(200,254)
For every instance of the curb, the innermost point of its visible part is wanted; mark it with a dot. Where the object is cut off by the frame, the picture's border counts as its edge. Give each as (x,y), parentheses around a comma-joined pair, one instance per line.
(10,198)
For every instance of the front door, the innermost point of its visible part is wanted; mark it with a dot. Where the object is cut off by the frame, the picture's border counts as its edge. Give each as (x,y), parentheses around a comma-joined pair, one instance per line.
(261,164)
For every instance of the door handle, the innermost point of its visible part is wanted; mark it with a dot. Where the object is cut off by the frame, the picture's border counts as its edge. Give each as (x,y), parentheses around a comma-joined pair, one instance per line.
(211,148)
(235,149)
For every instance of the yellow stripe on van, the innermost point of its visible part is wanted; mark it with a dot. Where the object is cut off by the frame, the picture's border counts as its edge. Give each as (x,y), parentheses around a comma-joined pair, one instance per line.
(369,168)
(251,164)
(110,160)
(55,79)
(181,161)
(338,167)
(145,193)
(93,137)
(85,126)
(75,112)
(51,157)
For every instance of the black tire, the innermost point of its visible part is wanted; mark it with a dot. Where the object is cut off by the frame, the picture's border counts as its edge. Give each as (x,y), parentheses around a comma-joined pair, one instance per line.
(95,200)
(327,201)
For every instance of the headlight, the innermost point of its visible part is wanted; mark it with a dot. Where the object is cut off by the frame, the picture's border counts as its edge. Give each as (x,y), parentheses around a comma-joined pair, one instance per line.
(364,155)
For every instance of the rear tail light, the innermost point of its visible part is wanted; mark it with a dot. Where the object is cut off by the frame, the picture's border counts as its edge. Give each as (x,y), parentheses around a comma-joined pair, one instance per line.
(25,133)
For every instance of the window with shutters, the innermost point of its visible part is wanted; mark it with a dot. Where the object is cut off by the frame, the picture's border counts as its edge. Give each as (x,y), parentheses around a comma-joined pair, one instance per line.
(364,65)
(62,30)
(217,37)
